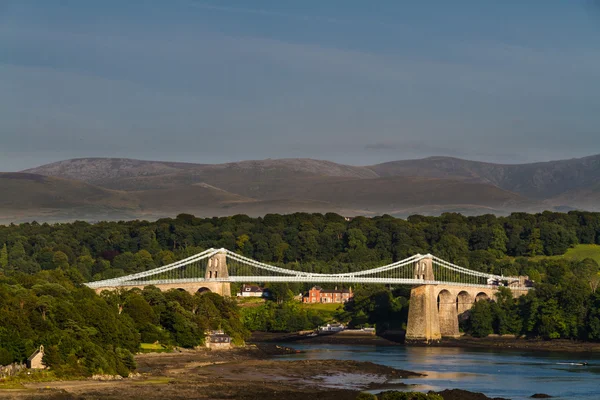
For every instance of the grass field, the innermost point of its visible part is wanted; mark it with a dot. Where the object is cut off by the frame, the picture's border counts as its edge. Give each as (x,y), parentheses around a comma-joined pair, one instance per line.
(579,252)
(326,310)
(327,307)
(250,301)
(582,251)
(153,348)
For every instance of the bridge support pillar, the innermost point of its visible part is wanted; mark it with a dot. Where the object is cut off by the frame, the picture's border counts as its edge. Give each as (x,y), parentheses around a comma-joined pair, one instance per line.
(217,269)
(423,321)
(448,315)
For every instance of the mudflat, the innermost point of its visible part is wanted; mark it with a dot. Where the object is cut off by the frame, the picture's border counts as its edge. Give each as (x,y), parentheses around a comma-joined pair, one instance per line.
(243,373)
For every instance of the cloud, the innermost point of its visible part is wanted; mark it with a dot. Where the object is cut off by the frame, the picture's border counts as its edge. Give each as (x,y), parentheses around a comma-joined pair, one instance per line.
(261,12)
(195,95)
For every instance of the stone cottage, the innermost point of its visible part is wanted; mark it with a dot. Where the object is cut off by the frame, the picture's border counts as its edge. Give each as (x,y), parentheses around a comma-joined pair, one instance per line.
(217,340)
(35,360)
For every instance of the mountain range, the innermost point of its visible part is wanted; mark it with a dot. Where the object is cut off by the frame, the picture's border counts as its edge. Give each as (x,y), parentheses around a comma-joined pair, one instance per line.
(115,188)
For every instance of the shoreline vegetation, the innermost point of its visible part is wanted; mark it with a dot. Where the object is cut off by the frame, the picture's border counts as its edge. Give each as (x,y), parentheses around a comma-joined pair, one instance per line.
(248,372)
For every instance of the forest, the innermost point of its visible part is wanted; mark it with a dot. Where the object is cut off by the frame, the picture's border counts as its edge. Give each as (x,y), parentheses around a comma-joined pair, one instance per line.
(43,268)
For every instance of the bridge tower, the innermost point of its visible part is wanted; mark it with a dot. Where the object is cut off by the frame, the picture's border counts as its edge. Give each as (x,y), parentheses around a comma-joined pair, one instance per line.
(423,321)
(216,268)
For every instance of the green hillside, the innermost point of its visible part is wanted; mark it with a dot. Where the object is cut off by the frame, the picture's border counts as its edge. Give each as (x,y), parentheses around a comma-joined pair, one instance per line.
(579,252)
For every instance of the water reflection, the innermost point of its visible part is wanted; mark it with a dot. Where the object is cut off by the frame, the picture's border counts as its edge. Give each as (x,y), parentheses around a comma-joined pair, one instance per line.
(510,374)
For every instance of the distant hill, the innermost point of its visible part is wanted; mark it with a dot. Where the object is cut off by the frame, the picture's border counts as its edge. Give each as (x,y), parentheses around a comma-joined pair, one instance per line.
(26,196)
(540,181)
(429,186)
(111,172)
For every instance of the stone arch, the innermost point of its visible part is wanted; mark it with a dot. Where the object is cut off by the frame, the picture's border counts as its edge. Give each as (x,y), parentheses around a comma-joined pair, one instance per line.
(203,290)
(482,296)
(464,301)
(447,313)
(444,297)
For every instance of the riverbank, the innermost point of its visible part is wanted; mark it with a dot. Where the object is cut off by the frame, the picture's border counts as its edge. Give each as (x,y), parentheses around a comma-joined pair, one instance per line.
(500,343)
(495,342)
(344,337)
(244,373)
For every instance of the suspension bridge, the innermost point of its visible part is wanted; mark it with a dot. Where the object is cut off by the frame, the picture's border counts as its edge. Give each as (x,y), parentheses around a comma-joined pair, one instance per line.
(441,290)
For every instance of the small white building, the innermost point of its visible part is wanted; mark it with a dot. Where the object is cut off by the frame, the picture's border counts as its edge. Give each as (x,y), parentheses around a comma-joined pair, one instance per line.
(251,291)
(35,360)
(217,340)
(332,328)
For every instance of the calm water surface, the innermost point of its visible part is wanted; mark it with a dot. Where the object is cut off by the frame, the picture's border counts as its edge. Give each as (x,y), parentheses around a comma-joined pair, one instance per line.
(511,374)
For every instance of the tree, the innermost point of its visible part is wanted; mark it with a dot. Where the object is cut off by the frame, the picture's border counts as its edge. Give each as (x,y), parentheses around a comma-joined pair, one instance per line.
(592,323)
(16,253)
(60,260)
(6,357)
(4,257)
(280,292)
(556,238)
(498,242)
(452,248)
(144,260)
(480,319)
(535,247)
(506,318)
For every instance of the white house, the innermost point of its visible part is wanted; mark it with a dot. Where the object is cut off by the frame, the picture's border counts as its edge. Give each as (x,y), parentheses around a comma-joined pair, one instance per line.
(251,291)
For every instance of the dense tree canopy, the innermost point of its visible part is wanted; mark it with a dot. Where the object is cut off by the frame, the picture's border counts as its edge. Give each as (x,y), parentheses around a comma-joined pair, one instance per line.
(321,243)
(43,266)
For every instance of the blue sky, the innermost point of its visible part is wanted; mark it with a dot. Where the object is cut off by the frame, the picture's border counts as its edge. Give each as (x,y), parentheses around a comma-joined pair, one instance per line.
(356,82)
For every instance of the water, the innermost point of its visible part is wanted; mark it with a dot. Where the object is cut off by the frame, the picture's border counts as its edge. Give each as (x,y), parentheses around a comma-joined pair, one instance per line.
(510,374)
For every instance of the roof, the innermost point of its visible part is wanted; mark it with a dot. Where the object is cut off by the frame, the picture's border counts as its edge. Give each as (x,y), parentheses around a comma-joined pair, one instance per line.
(330,290)
(35,353)
(335,291)
(252,289)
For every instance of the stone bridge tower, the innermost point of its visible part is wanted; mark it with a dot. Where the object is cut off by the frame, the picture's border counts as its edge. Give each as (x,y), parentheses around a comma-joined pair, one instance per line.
(434,308)
(216,268)
(423,321)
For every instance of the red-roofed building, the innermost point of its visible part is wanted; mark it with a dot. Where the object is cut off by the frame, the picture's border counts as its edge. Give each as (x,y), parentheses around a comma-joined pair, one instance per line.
(320,295)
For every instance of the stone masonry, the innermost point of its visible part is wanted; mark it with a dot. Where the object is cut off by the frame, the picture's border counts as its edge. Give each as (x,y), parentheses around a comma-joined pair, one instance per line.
(434,309)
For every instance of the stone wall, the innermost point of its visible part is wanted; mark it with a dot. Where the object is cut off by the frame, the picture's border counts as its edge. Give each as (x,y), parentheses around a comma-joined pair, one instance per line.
(434,309)
(11,370)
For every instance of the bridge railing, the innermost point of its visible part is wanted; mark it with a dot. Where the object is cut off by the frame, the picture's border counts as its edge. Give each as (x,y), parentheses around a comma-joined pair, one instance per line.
(245,269)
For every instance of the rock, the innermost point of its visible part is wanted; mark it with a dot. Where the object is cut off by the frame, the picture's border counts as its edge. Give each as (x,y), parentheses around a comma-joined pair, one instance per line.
(541,396)
(459,394)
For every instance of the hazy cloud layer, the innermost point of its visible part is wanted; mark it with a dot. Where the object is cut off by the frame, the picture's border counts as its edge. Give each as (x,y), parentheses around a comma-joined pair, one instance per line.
(219,81)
